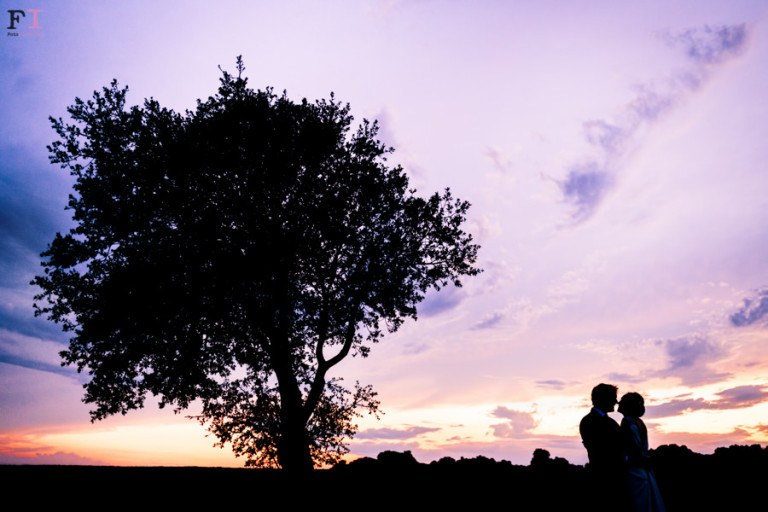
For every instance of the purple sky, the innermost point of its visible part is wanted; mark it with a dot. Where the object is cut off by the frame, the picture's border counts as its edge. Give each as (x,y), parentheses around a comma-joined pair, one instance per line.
(614,154)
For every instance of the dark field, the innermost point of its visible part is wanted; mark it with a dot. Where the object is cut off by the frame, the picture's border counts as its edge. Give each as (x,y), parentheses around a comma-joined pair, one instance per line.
(733,478)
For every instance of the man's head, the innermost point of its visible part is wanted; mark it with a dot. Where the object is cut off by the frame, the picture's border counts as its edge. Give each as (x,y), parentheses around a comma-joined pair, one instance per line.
(604,397)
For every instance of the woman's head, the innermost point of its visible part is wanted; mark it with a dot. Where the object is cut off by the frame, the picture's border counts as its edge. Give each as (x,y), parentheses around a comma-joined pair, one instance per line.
(632,404)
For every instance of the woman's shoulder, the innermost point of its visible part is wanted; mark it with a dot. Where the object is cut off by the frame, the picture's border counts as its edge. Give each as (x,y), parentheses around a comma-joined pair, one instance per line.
(627,422)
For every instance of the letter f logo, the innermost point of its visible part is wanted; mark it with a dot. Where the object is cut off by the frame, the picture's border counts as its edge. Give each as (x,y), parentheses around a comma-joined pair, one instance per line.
(15,17)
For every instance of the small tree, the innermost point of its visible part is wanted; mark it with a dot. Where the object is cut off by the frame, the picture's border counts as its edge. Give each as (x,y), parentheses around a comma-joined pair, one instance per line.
(233,255)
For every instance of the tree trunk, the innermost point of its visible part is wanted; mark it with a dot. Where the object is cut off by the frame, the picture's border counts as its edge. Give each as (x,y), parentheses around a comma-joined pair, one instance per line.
(293,449)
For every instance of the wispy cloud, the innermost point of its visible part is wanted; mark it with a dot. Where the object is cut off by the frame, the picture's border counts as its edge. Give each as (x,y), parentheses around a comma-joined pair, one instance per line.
(710,44)
(415,348)
(739,397)
(386,134)
(394,433)
(501,160)
(437,302)
(563,290)
(31,352)
(521,312)
(703,442)
(386,121)
(675,407)
(518,424)
(754,310)
(25,449)
(585,187)
(57,458)
(490,320)
(624,377)
(587,183)
(691,359)
(552,384)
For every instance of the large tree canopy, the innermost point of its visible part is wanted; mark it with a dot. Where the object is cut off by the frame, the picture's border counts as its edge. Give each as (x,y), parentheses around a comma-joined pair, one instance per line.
(233,255)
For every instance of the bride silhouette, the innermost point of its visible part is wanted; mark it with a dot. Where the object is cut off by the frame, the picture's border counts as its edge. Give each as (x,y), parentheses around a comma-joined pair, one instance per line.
(643,491)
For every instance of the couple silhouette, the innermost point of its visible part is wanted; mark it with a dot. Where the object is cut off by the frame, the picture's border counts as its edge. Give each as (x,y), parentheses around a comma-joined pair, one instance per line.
(619,465)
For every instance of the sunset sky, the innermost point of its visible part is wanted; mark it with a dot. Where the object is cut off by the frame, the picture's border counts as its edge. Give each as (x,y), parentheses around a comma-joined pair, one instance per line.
(614,154)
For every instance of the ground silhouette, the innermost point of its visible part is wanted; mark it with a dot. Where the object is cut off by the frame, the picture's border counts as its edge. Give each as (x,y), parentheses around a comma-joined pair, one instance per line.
(731,478)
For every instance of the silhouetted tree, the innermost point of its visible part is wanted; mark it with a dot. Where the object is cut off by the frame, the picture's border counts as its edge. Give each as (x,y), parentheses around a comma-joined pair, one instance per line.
(540,457)
(233,255)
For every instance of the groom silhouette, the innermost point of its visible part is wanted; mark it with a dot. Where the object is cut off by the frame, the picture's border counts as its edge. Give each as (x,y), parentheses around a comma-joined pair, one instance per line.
(602,438)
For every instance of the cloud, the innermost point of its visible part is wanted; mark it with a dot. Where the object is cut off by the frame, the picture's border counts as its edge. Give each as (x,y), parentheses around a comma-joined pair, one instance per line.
(690,360)
(523,312)
(754,310)
(711,44)
(393,433)
(17,315)
(586,184)
(740,397)
(31,212)
(437,302)
(30,352)
(624,377)
(585,188)
(702,442)
(604,135)
(566,289)
(501,161)
(489,320)
(384,120)
(675,407)
(31,396)
(649,104)
(496,275)
(415,348)
(686,352)
(552,384)
(18,448)
(572,284)
(483,229)
(519,423)
(58,458)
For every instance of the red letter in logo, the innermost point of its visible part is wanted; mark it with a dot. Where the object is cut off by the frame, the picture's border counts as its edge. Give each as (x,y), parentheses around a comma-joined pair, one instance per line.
(34,17)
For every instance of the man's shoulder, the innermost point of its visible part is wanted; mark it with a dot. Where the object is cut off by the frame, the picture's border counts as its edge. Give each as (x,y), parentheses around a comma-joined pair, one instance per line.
(589,421)
(590,417)
(595,419)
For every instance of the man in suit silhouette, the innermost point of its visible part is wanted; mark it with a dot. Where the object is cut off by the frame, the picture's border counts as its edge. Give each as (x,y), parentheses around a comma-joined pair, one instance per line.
(602,438)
